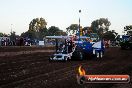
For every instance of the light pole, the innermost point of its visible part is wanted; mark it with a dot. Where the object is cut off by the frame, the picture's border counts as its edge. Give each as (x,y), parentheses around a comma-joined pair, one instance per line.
(79,24)
(11,28)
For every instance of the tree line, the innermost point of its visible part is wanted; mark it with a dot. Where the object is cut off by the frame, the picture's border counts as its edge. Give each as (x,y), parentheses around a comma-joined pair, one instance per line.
(99,26)
(38,30)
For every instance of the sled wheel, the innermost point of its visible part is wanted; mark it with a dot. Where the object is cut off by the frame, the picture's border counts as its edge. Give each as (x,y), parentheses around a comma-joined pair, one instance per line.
(80,55)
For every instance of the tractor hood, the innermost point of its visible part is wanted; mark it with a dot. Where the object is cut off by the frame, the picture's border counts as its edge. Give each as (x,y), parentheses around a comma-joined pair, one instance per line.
(97,45)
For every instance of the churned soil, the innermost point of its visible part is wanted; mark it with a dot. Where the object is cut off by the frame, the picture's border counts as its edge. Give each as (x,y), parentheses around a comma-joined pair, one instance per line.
(33,70)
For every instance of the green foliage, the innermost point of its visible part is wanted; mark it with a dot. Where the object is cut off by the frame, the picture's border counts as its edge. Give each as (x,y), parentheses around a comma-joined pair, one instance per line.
(88,31)
(110,35)
(13,36)
(32,34)
(128,29)
(73,28)
(55,31)
(42,33)
(37,23)
(28,34)
(1,34)
(100,26)
(37,30)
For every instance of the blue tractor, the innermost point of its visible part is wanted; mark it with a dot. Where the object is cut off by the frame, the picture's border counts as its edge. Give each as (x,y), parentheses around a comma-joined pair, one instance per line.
(80,49)
(86,49)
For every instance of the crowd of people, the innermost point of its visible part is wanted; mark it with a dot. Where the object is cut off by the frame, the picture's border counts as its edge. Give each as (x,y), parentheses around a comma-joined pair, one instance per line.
(5,41)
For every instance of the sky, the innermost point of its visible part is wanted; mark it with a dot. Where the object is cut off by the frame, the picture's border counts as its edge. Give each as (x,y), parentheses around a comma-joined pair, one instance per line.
(17,14)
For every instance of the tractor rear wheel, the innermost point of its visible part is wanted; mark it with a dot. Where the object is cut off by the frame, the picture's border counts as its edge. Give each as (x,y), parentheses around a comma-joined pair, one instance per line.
(99,54)
(77,55)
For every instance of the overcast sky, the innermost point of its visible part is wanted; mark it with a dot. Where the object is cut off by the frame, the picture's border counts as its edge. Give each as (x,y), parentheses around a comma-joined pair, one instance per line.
(62,13)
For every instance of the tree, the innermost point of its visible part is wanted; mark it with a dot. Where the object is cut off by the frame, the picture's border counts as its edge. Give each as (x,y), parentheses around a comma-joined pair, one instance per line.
(110,35)
(54,31)
(128,29)
(29,34)
(1,34)
(100,26)
(37,24)
(87,31)
(42,33)
(32,34)
(73,28)
(13,36)
(37,29)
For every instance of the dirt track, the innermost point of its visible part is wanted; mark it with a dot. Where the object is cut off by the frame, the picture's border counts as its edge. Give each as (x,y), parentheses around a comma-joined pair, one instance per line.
(35,71)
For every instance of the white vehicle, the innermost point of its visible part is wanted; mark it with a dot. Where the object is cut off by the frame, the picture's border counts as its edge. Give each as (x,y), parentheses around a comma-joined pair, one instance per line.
(62,55)
(63,51)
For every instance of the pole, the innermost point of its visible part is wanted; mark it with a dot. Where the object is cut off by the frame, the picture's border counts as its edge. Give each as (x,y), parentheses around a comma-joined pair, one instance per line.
(79,25)
(11,28)
(79,28)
